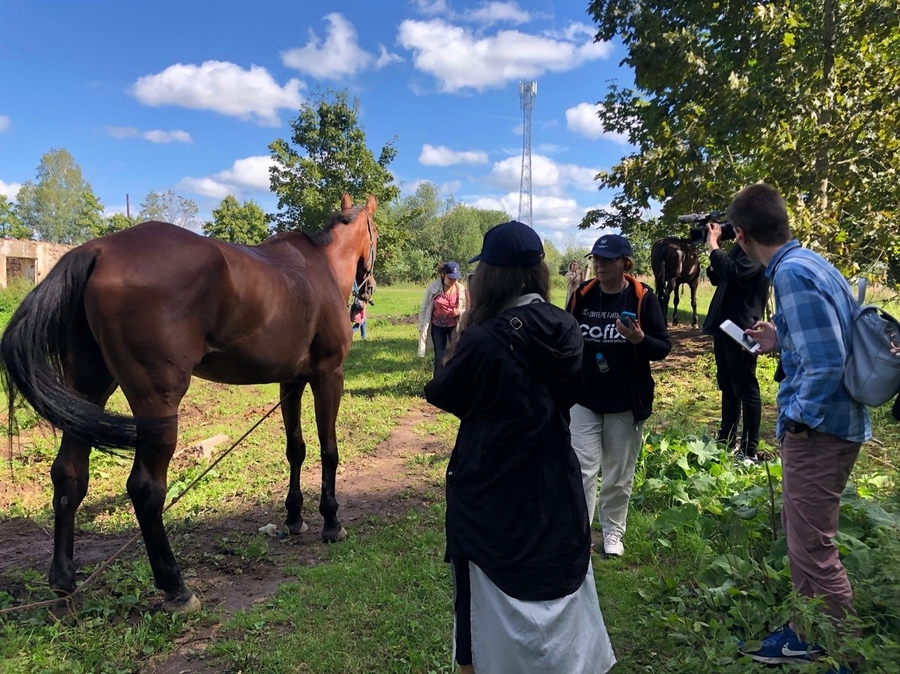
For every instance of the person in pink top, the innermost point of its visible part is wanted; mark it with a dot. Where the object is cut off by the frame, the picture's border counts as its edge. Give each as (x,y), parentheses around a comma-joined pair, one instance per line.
(444,302)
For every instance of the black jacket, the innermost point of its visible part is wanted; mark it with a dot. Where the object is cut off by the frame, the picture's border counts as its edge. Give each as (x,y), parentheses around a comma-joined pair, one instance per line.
(515,503)
(741,289)
(627,383)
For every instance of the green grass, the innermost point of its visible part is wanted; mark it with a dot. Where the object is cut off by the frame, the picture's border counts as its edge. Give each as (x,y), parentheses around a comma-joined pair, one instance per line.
(381,600)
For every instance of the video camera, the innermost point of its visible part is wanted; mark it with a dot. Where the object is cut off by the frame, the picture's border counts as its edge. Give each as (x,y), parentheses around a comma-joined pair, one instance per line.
(699,232)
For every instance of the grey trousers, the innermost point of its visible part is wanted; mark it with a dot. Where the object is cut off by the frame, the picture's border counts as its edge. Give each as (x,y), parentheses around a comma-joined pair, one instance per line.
(607,444)
(815,471)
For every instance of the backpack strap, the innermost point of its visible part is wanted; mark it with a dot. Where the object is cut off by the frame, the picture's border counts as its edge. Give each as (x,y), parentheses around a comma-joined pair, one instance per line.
(639,290)
(584,288)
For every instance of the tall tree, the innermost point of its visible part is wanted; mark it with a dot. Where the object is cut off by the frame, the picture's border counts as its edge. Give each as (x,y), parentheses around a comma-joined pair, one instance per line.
(170,207)
(238,223)
(114,223)
(802,95)
(59,205)
(10,225)
(334,159)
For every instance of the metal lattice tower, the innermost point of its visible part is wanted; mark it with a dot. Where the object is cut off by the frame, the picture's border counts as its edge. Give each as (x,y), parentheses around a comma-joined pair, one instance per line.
(527,92)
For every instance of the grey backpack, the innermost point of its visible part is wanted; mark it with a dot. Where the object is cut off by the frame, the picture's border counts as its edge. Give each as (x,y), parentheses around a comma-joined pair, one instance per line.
(872,371)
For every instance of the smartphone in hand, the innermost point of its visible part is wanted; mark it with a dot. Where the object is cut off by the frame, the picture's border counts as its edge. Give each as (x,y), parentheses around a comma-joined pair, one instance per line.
(733,331)
(628,317)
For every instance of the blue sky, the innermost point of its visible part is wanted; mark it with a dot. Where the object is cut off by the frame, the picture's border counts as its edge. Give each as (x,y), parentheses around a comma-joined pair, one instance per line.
(187,95)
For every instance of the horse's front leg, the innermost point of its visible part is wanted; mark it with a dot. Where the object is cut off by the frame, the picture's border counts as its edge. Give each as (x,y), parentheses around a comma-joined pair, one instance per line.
(69,474)
(327,389)
(291,395)
(676,293)
(694,303)
(147,489)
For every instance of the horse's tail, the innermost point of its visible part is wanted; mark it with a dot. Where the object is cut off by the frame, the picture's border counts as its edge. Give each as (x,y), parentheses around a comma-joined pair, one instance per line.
(33,357)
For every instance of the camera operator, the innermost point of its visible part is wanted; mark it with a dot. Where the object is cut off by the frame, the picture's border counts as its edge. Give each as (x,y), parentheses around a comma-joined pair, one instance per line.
(741,291)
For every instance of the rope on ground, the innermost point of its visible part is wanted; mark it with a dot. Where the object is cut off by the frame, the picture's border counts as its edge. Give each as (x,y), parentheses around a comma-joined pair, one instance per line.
(90,579)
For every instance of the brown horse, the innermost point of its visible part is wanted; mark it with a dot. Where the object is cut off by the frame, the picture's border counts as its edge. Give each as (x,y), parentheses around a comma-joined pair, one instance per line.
(675,262)
(144,309)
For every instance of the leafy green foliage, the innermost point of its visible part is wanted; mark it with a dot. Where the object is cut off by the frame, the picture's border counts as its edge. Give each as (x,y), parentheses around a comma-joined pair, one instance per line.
(170,207)
(59,205)
(238,222)
(334,159)
(115,223)
(796,94)
(10,225)
(434,230)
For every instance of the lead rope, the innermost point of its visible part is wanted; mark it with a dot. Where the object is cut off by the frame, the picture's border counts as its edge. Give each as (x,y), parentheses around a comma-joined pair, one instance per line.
(69,597)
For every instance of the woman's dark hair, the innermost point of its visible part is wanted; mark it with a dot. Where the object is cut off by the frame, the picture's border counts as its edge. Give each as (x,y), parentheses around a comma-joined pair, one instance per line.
(760,211)
(493,289)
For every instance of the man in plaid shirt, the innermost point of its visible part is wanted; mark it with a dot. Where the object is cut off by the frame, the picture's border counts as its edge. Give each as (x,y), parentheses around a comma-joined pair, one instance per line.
(819,425)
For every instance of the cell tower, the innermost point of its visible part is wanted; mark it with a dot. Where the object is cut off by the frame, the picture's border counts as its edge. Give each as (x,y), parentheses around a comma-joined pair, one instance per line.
(527,92)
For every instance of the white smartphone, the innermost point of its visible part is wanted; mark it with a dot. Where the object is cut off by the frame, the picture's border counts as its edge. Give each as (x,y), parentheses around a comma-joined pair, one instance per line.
(738,335)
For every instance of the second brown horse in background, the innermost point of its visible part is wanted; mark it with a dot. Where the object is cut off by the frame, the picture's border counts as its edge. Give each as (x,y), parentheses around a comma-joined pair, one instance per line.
(675,262)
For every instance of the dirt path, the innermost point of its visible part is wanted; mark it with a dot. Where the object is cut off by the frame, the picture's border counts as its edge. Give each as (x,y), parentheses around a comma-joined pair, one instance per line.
(381,484)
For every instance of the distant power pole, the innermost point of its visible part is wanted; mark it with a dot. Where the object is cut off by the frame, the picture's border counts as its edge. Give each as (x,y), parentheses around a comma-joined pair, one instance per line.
(527,92)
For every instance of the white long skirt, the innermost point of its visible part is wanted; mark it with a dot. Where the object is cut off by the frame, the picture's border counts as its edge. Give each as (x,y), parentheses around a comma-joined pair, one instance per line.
(511,636)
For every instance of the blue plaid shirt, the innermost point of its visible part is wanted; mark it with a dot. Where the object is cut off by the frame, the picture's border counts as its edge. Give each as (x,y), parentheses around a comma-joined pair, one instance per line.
(814,307)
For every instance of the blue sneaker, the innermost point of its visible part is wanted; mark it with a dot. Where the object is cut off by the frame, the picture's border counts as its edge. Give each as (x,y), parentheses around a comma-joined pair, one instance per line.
(781,647)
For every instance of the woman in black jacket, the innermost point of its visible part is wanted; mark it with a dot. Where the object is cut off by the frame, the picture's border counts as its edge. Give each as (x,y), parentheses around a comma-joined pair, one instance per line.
(623,329)
(518,534)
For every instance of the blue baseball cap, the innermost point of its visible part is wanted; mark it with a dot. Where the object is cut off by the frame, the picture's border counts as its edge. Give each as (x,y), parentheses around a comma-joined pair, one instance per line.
(510,244)
(610,246)
(451,269)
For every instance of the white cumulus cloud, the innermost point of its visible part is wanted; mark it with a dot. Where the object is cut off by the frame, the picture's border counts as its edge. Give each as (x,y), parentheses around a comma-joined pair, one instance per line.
(495,12)
(338,55)
(547,176)
(459,58)
(155,136)
(247,174)
(582,119)
(4,123)
(561,215)
(431,7)
(223,87)
(444,156)
(9,190)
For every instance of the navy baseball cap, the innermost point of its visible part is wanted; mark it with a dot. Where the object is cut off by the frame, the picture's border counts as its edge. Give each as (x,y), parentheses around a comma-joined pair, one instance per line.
(451,269)
(610,246)
(510,244)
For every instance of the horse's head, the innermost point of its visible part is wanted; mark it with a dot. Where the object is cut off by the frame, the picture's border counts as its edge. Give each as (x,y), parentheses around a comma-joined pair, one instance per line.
(366,242)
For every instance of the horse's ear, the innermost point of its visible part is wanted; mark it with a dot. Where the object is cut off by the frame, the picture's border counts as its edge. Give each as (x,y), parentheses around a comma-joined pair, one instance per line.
(346,202)
(371,204)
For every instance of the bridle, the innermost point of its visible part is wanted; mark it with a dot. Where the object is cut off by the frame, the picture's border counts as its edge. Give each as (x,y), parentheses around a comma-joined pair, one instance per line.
(366,286)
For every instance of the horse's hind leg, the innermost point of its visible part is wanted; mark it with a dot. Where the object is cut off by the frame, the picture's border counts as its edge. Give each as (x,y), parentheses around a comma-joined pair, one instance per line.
(69,474)
(693,287)
(296,455)
(676,294)
(147,484)
(327,389)
(70,470)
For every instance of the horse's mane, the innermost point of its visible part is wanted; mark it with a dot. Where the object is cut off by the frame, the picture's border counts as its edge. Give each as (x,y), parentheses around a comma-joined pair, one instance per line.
(326,236)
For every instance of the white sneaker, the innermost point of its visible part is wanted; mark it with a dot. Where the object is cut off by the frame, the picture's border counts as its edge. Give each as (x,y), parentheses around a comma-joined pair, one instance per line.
(612,545)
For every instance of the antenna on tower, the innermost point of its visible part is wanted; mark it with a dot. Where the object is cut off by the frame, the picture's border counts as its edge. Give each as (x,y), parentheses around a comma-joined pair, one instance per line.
(527,92)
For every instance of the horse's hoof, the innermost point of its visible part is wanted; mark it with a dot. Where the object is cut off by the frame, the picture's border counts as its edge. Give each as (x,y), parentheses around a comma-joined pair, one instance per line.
(295,529)
(334,536)
(182,606)
(63,607)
